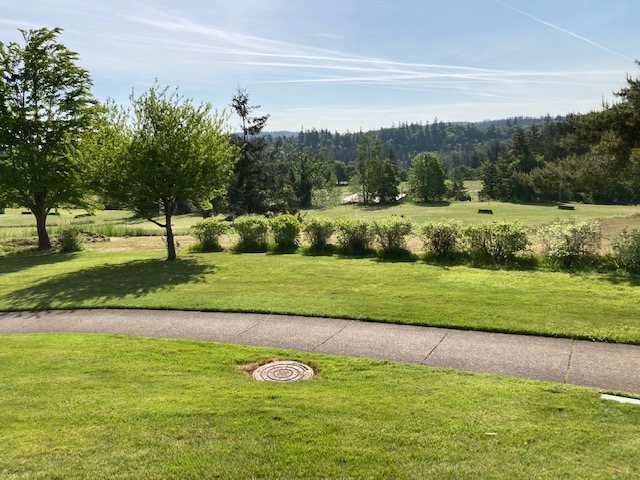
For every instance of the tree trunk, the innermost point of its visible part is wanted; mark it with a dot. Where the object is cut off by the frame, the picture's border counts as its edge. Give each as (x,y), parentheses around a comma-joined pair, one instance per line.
(44,243)
(171,246)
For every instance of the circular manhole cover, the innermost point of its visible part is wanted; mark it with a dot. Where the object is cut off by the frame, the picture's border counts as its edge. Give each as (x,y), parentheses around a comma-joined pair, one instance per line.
(283,371)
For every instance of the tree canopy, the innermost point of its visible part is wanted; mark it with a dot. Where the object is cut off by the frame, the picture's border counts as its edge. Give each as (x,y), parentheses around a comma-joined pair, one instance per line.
(175,151)
(426,177)
(45,108)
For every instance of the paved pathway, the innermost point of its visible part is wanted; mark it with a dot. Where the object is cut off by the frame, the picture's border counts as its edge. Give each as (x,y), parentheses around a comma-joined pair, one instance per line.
(604,365)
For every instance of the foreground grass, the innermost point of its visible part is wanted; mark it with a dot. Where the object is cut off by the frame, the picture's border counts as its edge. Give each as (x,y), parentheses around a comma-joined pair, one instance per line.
(596,306)
(94,406)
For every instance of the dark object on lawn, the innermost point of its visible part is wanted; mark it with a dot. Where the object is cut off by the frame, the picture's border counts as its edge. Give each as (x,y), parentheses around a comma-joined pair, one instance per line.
(486,211)
(26,213)
(566,207)
(82,215)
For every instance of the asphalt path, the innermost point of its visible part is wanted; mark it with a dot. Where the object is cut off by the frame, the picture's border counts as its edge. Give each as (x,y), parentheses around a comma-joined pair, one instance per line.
(605,365)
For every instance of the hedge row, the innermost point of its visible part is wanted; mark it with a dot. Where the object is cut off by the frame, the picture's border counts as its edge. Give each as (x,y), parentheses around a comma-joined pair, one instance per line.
(499,242)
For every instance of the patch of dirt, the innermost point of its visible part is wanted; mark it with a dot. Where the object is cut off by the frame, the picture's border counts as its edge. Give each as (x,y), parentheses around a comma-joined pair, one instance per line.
(20,242)
(91,237)
(249,368)
(613,227)
(122,244)
(87,237)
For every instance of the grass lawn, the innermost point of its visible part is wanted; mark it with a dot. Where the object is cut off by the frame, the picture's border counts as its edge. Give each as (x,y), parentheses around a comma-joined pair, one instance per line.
(15,225)
(97,406)
(467,212)
(596,306)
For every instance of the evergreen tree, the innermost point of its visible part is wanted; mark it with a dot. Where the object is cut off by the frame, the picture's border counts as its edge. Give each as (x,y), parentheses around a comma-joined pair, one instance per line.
(253,180)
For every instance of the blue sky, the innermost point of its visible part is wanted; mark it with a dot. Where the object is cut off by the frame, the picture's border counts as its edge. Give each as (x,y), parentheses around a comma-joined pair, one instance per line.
(353,64)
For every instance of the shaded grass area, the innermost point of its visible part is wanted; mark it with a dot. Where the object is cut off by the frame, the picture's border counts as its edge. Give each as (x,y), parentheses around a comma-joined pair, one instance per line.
(587,305)
(97,406)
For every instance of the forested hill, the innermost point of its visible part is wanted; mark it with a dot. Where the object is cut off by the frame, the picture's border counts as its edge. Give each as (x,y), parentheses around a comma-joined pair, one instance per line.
(456,143)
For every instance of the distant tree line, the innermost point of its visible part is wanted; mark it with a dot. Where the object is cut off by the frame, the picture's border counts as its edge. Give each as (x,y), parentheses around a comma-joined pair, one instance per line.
(593,158)
(456,144)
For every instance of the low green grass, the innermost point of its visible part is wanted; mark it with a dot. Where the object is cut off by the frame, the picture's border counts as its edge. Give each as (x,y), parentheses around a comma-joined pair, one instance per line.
(587,305)
(97,406)
(467,212)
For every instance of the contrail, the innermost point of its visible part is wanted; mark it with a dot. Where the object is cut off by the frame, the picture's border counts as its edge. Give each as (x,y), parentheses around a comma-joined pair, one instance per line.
(602,47)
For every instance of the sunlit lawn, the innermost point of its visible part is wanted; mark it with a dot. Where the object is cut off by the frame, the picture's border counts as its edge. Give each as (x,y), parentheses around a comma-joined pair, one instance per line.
(13,224)
(587,305)
(467,212)
(95,406)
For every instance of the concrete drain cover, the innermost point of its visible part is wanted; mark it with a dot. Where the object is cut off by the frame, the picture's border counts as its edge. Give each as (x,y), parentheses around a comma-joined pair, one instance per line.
(283,371)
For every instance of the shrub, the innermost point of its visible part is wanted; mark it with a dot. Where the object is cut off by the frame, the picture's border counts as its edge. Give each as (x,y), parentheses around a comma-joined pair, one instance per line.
(318,231)
(70,240)
(286,231)
(354,235)
(442,238)
(391,232)
(627,250)
(253,232)
(496,241)
(208,232)
(569,241)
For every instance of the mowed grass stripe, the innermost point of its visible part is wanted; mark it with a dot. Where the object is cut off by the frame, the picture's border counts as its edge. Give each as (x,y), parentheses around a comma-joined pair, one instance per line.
(596,306)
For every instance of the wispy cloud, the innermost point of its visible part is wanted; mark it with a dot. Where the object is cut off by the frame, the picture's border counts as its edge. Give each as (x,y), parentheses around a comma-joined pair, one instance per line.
(556,27)
(293,63)
(18,23)
(330,36)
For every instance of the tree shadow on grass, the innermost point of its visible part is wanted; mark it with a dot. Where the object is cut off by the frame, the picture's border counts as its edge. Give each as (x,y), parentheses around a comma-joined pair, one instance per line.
(396,255)
(323,251)
(621,278)
(433,204)
(101,284)
(25,259)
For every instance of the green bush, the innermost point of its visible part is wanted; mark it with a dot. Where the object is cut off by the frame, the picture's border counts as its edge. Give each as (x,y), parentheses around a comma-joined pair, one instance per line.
(569,241)
(208,232)
(355,235)
(441,238)
(286,231)
(70,240)
(318,231)
(496,241)
(627,250)
(253,233)
(391,232)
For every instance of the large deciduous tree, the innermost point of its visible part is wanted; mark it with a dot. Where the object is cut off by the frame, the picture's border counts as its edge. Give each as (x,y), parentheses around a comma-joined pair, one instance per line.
(45,107)
(426,177)
(176,151)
